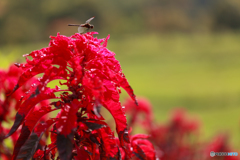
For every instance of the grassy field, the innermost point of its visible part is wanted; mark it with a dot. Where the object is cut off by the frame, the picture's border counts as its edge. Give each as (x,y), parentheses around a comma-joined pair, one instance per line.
(198,72)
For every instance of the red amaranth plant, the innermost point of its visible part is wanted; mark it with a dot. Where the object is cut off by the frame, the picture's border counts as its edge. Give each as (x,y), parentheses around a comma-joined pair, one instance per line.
(90,77)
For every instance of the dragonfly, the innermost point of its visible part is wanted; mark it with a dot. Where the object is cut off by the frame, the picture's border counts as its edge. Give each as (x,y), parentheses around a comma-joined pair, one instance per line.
(84,27)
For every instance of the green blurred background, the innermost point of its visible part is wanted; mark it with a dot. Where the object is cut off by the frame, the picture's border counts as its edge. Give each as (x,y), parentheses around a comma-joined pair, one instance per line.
(178,53)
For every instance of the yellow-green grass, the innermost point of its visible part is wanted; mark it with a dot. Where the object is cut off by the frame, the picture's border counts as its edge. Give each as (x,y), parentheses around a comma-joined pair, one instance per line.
(199,72)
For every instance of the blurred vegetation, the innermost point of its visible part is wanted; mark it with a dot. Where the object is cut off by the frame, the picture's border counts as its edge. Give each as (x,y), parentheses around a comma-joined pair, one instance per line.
(196,72)
(31,21)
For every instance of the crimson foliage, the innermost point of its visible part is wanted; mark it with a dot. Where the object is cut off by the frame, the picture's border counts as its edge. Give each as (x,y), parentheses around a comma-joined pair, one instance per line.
(90,77)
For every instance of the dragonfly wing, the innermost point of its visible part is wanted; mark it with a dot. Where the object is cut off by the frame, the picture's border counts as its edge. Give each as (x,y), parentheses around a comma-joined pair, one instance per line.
(89,20)
(81,29)
(73,25)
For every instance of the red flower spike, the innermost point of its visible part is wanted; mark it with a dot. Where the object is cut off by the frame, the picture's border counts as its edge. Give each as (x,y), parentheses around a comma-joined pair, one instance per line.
(92,77)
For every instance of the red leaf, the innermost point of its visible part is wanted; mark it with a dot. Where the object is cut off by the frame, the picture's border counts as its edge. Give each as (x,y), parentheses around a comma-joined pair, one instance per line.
(25,132)
(28,149)
(41,93)
(110,147)
(68,117)
(125,85)
(105,42)
(36,97)
(139,153)
(82,154)
(27,144)
(115,109)
(65,145)
(93,126)
(41,127)
(27,75)
(112,104)
(144,106)
(18,121)
(139,136)
(32,119)
(142,147)
(54,73)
